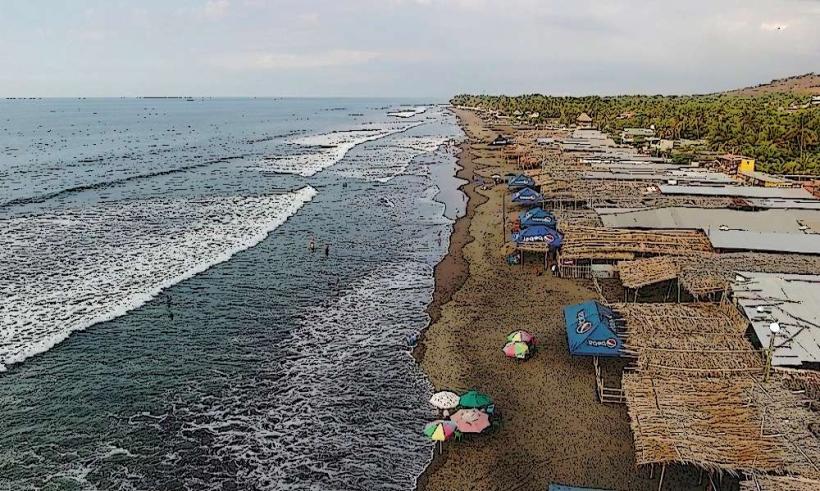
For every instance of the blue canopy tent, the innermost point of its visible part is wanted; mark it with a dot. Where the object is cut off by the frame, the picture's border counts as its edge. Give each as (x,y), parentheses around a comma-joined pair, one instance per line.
(537,216)
(520,181)
(527,196)
(591,330)
(539,233)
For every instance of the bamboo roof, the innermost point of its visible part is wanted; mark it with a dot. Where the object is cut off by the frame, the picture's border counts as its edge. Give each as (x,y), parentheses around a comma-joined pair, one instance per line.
(779,483)
(647,271)
(696,339)
(733,425)
(610,243)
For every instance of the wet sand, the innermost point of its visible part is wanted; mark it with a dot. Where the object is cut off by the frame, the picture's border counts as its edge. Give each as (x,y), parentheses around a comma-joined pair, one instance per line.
(554,429)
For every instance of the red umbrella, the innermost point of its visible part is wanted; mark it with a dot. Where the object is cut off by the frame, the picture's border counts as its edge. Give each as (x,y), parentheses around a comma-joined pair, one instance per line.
(471,420)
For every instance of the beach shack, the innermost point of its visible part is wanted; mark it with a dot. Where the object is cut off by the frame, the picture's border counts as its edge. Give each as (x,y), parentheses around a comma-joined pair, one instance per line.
(537,216)
(520,181)
(527,196)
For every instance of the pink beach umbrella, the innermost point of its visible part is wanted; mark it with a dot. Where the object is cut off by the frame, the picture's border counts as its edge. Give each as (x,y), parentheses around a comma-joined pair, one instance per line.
(471,420)
(517,350)
(520,336)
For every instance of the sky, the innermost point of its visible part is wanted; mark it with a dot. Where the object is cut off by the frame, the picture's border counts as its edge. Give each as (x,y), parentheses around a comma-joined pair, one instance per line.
(391,48)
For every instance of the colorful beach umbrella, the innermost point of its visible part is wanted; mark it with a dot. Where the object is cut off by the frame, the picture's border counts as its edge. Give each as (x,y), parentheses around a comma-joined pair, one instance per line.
(444,400)
(471,420)
(474,399)
(522,336)
(516,349)
(440,431)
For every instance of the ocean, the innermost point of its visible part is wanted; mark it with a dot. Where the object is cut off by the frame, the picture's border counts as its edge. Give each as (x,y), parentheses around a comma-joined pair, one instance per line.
(164,323)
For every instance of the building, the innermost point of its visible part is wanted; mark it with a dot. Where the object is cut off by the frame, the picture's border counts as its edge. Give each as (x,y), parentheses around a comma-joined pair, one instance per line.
(732,164)
(637,135)
(583,121)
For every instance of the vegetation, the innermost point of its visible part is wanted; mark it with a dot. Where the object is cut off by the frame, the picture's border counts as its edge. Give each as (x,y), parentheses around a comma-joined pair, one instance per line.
(781,131)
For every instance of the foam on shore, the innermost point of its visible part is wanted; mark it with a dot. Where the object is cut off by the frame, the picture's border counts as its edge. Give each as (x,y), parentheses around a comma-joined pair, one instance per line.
(70,270)
(317,152)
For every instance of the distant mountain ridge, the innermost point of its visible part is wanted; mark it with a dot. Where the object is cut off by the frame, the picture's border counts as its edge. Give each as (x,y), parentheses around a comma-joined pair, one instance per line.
(806,84)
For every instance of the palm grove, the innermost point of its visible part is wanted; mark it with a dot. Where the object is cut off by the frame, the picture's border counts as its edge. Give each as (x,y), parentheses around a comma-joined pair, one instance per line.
(781,131)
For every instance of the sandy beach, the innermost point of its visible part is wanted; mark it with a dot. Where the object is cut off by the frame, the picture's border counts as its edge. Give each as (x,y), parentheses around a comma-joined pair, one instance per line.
(554,429)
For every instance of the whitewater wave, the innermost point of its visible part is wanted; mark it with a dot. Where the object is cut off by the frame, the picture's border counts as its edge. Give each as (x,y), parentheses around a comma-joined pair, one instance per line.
(381,163)
(408,113)
(345,402)
(318,152)
(77,267)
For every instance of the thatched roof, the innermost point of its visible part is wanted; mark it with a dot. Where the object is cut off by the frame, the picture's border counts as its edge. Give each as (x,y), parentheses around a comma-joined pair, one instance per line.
(733,425)
(612,243)
(779,483)
(647,271)
(583,118)
(693,339)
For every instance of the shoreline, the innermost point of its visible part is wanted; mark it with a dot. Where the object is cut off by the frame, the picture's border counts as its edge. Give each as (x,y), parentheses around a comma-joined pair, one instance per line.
(554,428)
(451,272)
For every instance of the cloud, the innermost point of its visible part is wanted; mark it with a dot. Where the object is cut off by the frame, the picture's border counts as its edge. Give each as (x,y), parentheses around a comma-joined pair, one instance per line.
(216,9)
(294,61)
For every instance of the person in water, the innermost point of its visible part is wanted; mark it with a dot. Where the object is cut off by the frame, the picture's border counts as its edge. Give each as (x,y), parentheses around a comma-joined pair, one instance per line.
(312,245)
(327,250)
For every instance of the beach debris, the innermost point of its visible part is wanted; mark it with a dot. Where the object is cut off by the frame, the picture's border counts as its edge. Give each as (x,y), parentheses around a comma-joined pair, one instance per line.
(471,420)
(445,400)
(440,430)
(474,399)
(517,349)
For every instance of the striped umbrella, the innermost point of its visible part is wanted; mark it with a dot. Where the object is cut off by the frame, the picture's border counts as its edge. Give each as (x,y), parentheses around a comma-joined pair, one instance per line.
(444,400)
(522,336)
(440,431)
(516,349)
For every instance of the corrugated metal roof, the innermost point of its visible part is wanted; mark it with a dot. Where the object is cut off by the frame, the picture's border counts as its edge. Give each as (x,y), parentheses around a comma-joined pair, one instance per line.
(648,175)
(763,241)
(796,204)
(739,191)
(793,301)
(707,219)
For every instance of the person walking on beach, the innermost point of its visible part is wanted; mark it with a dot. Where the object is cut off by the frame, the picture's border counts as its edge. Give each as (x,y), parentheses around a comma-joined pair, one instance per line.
(312,245)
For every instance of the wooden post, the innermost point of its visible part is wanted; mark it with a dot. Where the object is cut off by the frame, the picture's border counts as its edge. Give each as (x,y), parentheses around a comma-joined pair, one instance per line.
(663,471)
(503,218)
(636,295)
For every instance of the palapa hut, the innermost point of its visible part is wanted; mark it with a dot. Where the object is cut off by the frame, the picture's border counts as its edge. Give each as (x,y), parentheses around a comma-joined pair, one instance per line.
(595,251)
(583,120)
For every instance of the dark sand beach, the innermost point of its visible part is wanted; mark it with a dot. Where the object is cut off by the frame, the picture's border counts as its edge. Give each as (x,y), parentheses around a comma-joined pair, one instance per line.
(554,429)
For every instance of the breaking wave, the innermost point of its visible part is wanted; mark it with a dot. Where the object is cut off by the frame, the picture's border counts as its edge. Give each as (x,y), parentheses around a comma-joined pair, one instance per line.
(72,269)
(318,152)
(343,404)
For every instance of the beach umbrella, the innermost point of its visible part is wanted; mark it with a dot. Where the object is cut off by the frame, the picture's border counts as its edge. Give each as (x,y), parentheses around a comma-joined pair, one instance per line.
(516,349)
(440,430)
(471,420)
(444,400)
(474,399)
(522,336)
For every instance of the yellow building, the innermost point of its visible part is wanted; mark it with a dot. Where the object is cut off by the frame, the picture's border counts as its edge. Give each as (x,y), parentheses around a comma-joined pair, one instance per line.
(746,165)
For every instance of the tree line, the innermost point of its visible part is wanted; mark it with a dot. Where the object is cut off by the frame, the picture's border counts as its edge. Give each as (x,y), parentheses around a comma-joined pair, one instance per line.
(781,131)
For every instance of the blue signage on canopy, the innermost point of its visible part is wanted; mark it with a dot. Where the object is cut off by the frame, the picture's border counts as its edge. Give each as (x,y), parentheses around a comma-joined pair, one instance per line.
(591,330)
(520,181)
(539,233)
(527,195)
(537,216)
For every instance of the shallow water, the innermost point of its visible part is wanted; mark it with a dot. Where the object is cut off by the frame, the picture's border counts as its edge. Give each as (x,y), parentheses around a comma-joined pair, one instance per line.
(264,366)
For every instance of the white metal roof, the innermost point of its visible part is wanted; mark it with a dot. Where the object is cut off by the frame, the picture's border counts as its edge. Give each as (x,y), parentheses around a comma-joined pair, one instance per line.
(739,191)
(793,301)
(709,219)
(764,241)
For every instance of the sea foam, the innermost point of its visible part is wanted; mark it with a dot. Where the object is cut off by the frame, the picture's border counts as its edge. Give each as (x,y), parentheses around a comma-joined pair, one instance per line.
(317,152)
(77,267)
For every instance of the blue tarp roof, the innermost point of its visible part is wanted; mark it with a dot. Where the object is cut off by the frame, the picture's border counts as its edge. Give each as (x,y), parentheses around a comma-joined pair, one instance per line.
(520,181)
(526,195)
(537,216)
(539,233)
(591,330)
